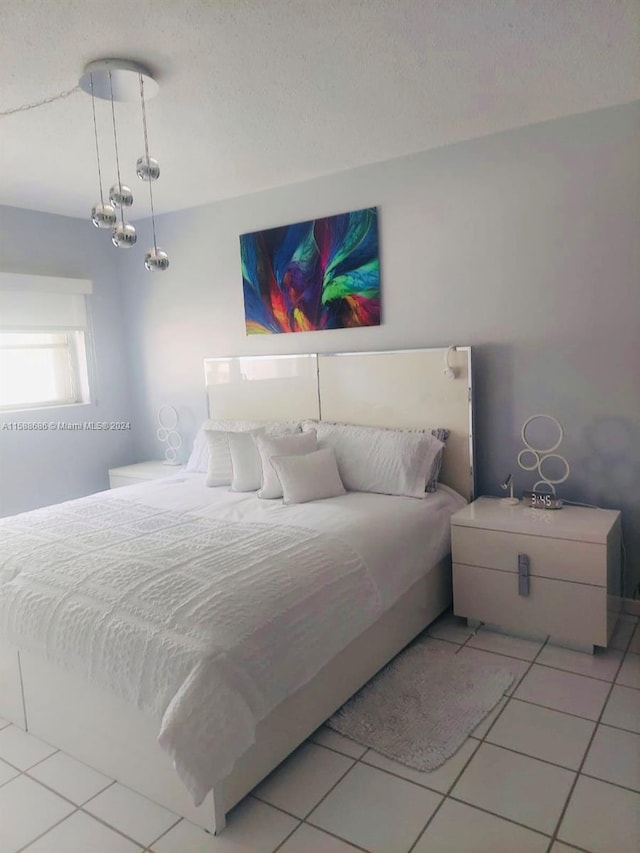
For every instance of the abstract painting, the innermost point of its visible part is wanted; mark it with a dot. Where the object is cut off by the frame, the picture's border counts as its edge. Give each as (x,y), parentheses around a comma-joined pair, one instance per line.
(320,274)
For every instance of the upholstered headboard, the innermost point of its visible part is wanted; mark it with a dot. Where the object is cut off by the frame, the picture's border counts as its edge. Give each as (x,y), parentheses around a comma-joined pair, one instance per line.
(399,388)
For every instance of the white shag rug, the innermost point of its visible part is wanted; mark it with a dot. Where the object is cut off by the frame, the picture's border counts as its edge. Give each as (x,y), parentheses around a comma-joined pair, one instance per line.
(422,706)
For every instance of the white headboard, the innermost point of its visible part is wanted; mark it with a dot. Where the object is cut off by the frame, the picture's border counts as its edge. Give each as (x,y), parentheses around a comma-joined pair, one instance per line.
(400,388)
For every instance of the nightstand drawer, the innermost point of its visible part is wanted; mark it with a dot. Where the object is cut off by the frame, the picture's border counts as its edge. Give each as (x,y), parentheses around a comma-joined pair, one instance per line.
(570,612)
(560,559)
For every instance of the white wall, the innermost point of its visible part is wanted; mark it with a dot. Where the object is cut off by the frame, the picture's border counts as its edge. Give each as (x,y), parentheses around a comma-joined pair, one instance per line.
(524,244)
(39,468)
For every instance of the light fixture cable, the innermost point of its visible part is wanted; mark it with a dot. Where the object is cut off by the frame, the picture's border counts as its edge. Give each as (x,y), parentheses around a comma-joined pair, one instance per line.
(148,169)
(115,142)
(146,154)
(23,108)
(95,131)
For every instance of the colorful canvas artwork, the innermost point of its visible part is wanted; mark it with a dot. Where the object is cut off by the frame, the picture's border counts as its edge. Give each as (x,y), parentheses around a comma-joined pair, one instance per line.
(320,274)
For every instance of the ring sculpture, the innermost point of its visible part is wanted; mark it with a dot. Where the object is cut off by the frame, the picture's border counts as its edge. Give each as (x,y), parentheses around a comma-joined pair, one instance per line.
(539,455)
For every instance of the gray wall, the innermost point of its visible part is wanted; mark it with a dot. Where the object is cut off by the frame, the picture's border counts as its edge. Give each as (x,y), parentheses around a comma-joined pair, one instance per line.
(523,244)
(40,468)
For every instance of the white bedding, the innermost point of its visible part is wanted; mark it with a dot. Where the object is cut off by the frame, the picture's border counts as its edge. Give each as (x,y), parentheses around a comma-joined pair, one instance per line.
(188,601)
(398,538)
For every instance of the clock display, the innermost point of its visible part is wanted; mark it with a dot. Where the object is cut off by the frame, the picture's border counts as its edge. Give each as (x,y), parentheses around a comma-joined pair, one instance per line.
(541,500)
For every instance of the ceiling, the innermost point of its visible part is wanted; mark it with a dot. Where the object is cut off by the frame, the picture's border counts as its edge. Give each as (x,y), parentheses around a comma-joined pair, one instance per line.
(255,94)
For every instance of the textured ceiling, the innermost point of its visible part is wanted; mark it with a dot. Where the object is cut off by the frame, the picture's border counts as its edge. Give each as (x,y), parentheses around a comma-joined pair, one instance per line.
(259,93)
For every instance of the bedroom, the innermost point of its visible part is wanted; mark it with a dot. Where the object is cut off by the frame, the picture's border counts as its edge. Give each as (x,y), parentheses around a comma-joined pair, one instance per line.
(508,219)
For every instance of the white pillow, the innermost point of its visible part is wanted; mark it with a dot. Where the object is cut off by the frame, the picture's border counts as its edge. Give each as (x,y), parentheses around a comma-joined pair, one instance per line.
(220,471)
(432,477)
(283,445)
(309,477)
(198,462)
(245,460)
(384,461)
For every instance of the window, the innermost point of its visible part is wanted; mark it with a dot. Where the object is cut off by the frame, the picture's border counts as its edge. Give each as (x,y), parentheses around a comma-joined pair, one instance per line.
(43,341)
(42,369)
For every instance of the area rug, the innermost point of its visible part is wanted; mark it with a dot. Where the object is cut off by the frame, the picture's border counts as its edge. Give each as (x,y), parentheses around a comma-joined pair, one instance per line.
(422,706)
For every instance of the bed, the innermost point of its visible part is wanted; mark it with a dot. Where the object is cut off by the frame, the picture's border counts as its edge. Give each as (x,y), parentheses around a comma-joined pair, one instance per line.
(395,579)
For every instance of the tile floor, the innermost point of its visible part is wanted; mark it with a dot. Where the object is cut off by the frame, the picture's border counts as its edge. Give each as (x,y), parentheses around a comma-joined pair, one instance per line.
(555,768)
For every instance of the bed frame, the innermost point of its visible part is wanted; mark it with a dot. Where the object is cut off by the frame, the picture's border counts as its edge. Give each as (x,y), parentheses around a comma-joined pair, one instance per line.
(405,388)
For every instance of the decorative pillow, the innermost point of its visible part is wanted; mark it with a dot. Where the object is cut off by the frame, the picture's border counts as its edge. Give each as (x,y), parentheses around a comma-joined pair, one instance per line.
(309,477)
(245,460)
(384,461)
(283,445)
(432,478)
(440,433)
(221,473)
(198,462)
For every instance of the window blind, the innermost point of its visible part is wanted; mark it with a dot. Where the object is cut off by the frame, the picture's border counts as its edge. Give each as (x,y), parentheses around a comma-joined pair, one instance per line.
(32,302)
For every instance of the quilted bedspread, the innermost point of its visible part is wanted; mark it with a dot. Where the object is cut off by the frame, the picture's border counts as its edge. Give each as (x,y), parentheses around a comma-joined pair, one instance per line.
(205,625)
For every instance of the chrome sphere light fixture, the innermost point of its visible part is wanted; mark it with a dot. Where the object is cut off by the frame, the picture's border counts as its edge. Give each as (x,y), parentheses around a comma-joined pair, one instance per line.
(123,80)
(147,169)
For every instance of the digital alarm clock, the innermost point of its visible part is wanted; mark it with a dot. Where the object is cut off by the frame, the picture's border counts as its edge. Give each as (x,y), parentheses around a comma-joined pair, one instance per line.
(541,500)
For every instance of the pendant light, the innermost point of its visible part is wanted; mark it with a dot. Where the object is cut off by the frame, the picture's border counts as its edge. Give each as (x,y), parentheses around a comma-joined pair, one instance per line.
(123,80)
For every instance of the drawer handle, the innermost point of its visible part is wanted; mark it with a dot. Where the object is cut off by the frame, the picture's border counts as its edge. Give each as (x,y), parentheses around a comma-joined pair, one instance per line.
(523,574)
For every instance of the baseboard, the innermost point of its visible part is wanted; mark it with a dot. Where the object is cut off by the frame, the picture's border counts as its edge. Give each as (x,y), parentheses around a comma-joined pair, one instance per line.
(631,605)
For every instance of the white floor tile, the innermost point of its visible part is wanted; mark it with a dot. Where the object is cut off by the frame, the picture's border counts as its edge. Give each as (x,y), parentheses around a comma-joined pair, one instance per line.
(7,772)
(564,691)
(308,839)
(543,733)
(252,827)
(380,805)
(26,811)
(22,749)
(438,780)
(635,642)
(375,810)
(450,627)
(515,647)
(70,778)
(300,782)
(82,834)
(621,635)
(458,827)
(132,814)
(515,786)
(517,667)
(603,663)
(614,756)
(602,818)
(3,723)
(629,674)
(481,730)
(327,737)
(185,837)
(623,708)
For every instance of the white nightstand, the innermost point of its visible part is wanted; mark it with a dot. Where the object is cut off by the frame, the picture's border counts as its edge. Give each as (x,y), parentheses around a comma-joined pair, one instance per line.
(572,562)
(127,475)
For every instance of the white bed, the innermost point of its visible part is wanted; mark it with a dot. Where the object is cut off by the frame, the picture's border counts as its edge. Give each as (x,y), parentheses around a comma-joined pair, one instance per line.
(396,552)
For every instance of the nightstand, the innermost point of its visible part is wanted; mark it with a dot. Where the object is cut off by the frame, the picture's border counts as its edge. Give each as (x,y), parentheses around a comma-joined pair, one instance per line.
(538,572)
(127,475)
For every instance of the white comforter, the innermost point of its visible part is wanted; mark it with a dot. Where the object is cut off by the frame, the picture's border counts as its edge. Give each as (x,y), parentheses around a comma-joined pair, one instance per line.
(203,608)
